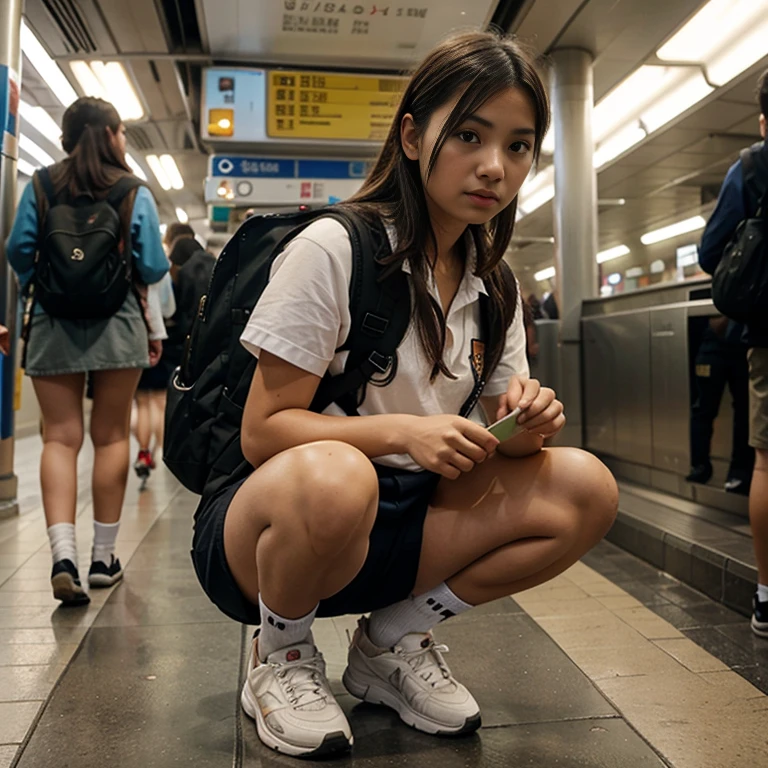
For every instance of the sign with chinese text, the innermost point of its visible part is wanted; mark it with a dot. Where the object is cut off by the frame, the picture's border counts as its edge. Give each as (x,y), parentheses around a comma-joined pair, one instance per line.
(316,105)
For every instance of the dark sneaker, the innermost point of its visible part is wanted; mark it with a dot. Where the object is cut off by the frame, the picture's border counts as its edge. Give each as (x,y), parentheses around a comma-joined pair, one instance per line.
(143,464)
(760,617)
(701,473)
(103,575)
(65,581)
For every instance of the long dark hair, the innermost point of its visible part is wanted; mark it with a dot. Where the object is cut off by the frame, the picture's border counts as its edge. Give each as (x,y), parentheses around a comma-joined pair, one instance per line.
(477,66)
(93,165)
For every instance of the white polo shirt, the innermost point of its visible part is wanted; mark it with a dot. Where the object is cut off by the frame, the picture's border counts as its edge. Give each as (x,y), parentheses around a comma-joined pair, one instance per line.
(303,317)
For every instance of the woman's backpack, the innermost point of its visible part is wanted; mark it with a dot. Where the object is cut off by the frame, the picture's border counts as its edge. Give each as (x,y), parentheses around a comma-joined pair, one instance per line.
(207,393)
(83,267)
(740,281)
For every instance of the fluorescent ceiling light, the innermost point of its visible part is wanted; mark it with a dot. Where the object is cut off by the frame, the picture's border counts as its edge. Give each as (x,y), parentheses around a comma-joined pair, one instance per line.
(548,145)
(32,149)
(163,229)
(618,144)
(673,230)
(628,97)
(172,171)
(42,122)
(24,167)
(88,81)
(726,36)
(181,215)
(692,90)
(159,171)
(46,67)
(538,190)
(748,49)
(716,23)
(612,253)
(109,81)
(544,274)
(135,167)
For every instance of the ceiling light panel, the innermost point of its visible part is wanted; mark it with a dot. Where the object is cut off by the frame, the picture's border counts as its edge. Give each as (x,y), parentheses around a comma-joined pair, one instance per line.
(42,122)
(162,177)
(46,67)
(27,145)
(172,171)
(673,230)
(612,253)
(544,274)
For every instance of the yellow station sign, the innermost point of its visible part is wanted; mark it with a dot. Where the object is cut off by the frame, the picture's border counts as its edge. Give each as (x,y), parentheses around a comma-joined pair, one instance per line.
(315,105)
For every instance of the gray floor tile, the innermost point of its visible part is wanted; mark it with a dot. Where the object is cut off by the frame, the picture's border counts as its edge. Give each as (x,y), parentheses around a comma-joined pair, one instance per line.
(7,753)
(143,696)
(380,742)
(518,674)
(15,719)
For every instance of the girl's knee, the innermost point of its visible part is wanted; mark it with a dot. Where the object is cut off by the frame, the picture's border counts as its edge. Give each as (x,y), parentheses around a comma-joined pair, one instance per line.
(337,492)
(590,486)
(69,435)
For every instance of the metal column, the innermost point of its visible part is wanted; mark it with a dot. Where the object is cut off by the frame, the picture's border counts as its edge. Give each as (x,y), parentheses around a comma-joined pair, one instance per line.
(575,211)
(10,83)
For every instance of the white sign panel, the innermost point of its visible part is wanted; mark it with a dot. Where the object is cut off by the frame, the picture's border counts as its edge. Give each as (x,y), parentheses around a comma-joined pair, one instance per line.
(276,192)
(391,33)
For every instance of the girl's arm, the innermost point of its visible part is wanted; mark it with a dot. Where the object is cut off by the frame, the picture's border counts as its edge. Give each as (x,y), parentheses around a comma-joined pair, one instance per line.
(22,243)
(276,418)
(149,256)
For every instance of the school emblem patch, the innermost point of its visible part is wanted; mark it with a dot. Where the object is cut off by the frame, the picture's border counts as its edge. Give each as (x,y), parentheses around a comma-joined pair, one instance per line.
(477,358)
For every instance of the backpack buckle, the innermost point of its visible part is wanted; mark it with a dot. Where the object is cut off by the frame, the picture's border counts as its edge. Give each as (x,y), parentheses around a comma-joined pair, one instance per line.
(374,325)
(380,362)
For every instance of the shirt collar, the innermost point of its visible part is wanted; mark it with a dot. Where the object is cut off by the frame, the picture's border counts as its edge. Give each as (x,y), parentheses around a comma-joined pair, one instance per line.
(470,284)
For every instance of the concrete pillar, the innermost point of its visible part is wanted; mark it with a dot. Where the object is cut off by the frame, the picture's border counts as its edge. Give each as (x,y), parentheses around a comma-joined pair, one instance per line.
(10,84)
(575,212)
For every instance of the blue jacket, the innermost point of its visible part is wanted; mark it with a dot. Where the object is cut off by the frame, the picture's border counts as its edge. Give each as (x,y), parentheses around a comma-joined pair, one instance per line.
(150,260)
(730,211)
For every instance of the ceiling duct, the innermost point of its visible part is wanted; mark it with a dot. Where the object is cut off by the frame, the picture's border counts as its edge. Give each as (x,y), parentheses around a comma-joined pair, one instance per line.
(68,18)
(182,26)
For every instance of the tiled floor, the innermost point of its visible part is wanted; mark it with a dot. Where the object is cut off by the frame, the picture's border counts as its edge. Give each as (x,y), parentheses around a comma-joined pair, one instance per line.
(582,671)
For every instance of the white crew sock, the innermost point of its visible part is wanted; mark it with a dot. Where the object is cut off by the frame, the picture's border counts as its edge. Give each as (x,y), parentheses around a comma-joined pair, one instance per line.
(414,614)
(762,593)
(63,543)
(277,632)
(104,537)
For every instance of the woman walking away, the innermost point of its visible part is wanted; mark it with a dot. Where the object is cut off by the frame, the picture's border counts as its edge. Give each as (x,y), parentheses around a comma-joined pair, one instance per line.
(99,244)
(407,512)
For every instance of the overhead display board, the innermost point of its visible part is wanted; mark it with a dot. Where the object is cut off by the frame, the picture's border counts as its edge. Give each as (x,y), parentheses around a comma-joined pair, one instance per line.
(321,105)
(393,34)
(233,104)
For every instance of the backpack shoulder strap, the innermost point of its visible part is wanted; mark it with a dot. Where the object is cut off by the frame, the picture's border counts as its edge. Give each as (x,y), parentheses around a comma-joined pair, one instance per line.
(754,169)
(45,185)
(380,312)
(118,193)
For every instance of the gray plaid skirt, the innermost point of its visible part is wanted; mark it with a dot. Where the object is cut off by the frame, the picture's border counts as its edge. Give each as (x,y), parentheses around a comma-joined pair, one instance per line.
(57,346)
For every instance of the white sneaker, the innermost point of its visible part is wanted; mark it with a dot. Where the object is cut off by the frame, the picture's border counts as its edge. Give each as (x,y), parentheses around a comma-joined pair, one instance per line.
(413,679)
(289,698)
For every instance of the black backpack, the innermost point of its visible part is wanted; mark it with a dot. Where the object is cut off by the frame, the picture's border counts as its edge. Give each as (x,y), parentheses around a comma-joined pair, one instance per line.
(740,281)
(207,393)
(83,267)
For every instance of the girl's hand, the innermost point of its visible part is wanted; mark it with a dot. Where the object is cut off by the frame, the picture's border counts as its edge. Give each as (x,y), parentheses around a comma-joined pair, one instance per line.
(155,352)
(541,412)
(448,445)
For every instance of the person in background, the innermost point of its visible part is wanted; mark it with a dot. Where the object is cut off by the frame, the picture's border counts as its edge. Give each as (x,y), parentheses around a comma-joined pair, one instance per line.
(737,201)
(721,359)
(191,268)
(153,384)
(59,352)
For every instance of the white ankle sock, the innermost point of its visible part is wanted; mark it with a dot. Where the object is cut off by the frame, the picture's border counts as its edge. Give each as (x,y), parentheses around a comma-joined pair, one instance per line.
(104,537)
(762,593)
(276,632)
(414,614)
(63,543)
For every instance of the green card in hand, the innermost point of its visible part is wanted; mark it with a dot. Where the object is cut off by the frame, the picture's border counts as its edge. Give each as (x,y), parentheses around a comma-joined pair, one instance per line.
(507,427)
